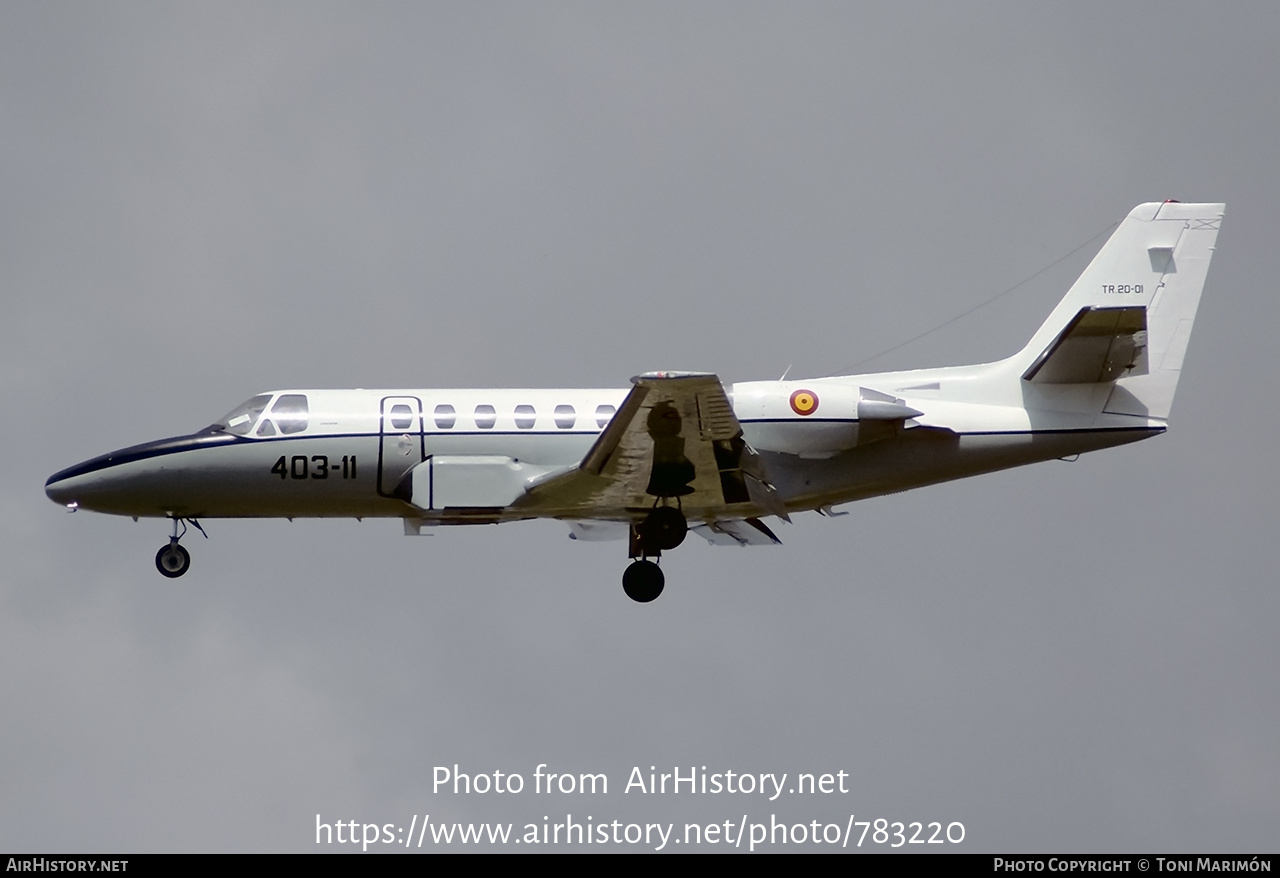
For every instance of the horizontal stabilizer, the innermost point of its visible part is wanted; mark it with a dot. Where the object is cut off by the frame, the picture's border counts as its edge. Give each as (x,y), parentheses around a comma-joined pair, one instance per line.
(1099,345)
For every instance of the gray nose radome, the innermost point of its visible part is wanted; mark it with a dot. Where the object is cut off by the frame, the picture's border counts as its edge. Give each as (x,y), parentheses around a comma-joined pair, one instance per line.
(61,491)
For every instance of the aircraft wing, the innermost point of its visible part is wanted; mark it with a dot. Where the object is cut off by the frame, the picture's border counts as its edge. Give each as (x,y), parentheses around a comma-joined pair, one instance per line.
(674,436)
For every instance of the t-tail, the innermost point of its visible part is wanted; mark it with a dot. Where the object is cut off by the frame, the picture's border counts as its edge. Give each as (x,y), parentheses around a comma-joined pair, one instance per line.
(1127,320)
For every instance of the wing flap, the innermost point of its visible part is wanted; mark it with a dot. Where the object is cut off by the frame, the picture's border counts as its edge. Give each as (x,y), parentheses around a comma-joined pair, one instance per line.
(743,532)
(675,436)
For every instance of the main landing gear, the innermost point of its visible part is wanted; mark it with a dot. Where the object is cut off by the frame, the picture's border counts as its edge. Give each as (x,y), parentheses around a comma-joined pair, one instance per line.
(643,581)
(663,528)
(173,560)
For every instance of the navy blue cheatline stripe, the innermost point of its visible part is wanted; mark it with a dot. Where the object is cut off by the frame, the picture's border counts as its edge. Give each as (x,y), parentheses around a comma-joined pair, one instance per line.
(216,439)
(798,419)
(1057,431)
(145,451)
(197,441)
(1063,431)
(802,420)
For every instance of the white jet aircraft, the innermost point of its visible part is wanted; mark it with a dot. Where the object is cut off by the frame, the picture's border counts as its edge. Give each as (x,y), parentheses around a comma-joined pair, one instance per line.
(679,452)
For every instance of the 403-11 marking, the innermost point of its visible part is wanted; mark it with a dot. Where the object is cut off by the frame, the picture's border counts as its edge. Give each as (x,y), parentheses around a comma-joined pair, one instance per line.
(315,467)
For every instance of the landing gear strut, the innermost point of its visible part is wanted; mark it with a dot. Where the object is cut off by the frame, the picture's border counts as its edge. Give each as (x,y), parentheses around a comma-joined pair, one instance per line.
(663,528)
(173,560)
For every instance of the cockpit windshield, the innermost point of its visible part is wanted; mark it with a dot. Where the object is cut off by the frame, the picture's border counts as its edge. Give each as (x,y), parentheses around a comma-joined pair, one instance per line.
(240,420)
(290,414)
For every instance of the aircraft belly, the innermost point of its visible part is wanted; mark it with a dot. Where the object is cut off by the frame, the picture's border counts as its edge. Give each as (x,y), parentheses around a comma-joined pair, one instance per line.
(925,457)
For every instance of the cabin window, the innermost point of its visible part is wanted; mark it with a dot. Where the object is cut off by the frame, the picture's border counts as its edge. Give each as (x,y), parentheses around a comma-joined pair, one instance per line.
(565,417)
(445,417)
(240,420)
(265,428)
(401,416)
(604,413)
(291,412)
(486,417)
(525,417)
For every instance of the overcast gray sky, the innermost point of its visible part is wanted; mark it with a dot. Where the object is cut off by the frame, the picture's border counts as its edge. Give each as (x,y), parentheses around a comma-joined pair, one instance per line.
(203,201)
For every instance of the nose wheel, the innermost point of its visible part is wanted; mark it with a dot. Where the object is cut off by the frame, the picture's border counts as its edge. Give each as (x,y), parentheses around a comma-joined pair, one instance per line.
(173,560)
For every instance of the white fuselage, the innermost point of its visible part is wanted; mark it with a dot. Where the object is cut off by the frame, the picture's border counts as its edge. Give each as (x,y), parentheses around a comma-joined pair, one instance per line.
(351,453)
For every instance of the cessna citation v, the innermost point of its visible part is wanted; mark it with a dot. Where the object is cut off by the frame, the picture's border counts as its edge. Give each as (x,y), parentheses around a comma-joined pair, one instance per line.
(678,451)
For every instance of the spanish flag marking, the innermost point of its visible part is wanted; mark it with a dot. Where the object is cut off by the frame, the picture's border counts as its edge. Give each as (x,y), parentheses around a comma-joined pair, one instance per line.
(804,402)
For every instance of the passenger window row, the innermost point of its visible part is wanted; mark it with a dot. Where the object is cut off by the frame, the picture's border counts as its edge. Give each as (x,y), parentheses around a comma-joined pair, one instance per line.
(526,416)
(290,415)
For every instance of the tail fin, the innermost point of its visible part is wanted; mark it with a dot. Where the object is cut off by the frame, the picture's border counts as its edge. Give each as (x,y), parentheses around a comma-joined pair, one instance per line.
(1128,317)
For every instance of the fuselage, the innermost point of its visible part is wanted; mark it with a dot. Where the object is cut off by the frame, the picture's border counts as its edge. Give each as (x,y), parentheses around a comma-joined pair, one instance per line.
(349,453)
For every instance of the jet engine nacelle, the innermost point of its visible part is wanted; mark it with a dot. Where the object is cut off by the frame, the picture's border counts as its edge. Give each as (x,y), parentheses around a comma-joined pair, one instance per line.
(815,419)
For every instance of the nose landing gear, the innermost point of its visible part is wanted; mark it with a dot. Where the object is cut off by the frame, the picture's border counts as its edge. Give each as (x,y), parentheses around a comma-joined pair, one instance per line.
(173,560)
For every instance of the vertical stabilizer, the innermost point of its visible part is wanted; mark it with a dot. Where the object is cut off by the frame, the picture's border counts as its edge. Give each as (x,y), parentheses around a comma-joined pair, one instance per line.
(1128,317)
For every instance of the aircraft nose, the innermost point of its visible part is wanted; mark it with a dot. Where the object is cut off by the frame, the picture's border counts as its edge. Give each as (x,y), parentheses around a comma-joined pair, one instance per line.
(92,484)
(103,484)
(143,479)
(61,490)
